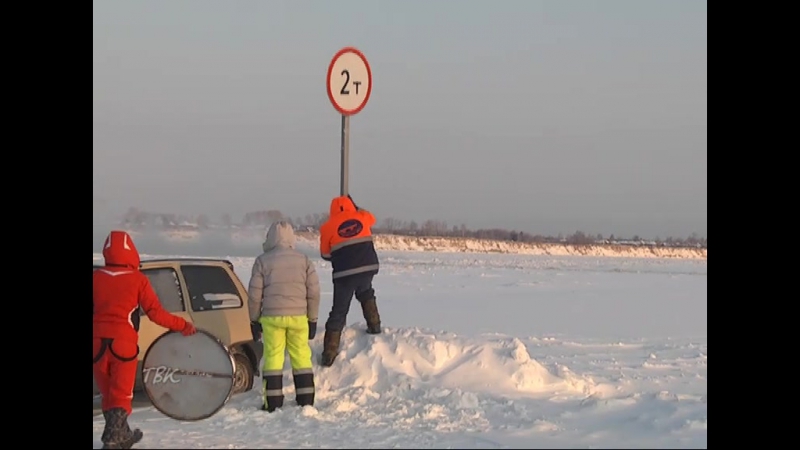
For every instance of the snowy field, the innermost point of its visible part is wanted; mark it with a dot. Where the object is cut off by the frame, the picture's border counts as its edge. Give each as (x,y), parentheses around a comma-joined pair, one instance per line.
(492,351)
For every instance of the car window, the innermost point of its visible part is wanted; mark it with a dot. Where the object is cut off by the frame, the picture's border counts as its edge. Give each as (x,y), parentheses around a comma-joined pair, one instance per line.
(210,288)
(168,288)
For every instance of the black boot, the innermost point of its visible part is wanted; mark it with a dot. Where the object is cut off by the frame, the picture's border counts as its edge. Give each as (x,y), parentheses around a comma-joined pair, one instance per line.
(117,433)
(331,347)
(134,435)
(272,405)
(304,387)
(107,432)
(370,309)
(273,391)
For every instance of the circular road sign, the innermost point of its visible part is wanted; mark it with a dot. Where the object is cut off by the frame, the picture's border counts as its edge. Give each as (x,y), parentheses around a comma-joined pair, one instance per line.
(349,81)
(188,377)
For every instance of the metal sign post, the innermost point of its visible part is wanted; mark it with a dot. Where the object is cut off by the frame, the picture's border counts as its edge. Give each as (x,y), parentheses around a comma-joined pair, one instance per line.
(349,87)
(345,169)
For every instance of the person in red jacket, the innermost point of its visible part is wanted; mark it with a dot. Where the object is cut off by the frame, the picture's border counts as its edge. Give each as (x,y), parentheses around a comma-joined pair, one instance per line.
(119,291)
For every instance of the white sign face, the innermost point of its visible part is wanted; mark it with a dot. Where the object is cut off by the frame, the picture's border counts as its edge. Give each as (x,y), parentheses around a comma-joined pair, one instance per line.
(349,81)
(188,377)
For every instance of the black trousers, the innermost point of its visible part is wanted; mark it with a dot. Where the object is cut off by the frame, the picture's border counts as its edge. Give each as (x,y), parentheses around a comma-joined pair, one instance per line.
(344,288)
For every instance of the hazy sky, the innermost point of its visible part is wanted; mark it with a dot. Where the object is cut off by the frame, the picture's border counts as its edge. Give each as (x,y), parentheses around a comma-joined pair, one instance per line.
(549,117)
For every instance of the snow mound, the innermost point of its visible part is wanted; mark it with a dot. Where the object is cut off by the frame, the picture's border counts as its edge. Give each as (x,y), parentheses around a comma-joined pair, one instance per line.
(412,360)
(426,381)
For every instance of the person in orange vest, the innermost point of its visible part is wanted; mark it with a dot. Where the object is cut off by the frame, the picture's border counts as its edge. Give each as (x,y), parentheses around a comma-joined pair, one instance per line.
(120,290)
(346,241)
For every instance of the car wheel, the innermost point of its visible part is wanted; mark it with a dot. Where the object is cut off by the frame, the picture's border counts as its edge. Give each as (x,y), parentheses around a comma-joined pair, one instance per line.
(243,373)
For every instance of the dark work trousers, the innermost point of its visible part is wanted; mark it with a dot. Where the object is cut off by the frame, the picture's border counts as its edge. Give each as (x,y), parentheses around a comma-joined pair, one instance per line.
(344,288)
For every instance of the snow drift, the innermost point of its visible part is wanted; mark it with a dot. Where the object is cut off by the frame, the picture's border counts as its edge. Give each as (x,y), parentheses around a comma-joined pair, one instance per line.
(411,360)
(471,245)
(251,238)
(409,378)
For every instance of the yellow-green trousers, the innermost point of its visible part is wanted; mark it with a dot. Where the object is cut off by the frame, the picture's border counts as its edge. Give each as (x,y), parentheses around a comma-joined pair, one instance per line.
(281,333)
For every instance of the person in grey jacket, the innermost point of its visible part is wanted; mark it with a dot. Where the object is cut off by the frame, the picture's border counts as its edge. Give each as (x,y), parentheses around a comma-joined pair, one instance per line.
(284,307)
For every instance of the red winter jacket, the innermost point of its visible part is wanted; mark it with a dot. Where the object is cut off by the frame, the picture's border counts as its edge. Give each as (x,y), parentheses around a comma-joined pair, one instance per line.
(119,289)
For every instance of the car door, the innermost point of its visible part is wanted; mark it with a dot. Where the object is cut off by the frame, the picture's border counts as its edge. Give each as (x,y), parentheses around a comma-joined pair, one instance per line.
(216,302)
(166,283)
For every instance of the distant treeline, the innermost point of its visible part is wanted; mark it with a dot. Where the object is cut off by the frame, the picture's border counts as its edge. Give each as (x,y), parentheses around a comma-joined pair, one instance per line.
(137,219)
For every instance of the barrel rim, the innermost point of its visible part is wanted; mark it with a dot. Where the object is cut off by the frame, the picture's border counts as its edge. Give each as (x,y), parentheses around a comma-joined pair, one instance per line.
(222,404)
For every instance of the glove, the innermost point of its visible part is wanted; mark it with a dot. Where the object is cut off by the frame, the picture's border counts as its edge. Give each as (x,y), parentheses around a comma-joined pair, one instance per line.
(312,330)
(255,328)
(188,329)
(354,203)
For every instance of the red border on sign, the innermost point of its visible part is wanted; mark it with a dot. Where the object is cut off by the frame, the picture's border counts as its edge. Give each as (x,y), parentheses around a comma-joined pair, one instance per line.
(328,84)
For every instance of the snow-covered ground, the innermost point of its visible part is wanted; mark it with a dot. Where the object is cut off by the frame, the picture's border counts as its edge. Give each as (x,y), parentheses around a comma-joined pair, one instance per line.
(493,351)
